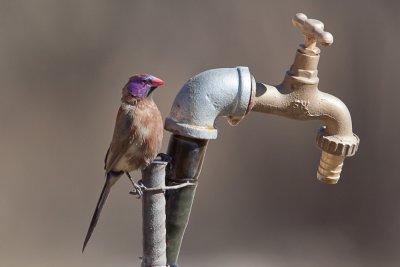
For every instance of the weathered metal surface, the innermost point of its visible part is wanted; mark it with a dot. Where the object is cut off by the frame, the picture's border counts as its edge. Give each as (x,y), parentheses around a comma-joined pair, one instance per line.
(208,95)
(187,158)
(298,97)
(233,93)
(153,215)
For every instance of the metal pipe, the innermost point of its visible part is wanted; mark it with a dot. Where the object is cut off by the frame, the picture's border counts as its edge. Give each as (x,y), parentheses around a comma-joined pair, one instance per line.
(224,92)
(153,215)
(187,158)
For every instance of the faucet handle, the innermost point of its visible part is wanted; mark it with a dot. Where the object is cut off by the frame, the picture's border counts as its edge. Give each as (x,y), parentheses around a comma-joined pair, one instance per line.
(313,31)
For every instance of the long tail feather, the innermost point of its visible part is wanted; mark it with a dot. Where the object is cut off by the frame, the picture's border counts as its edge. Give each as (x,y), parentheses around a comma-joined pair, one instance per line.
(110,180)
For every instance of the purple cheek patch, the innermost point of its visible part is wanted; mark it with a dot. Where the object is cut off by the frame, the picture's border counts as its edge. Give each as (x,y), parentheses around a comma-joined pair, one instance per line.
(131,87)
(137,89)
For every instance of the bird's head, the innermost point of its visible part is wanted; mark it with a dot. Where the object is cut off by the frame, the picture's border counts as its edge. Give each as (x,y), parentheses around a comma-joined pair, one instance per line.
(142,85)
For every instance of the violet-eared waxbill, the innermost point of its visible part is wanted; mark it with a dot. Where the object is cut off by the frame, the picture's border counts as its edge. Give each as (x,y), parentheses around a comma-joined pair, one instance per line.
(136,140)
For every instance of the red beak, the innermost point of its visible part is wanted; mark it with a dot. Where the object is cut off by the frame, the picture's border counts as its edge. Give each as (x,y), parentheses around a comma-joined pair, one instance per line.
(156,82)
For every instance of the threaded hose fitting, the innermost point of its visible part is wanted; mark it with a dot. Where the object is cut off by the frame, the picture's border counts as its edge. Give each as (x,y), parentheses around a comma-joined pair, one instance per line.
(330,167)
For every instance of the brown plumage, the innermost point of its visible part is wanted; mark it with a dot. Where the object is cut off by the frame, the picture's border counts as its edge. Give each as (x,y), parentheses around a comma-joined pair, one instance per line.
(137,136)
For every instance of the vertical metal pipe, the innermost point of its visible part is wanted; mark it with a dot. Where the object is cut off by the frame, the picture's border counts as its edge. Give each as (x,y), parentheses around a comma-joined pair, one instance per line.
(187,158)
(153,209)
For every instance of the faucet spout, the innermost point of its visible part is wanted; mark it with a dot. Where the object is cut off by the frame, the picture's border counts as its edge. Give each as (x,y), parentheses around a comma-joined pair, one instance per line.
(336,138)
(304,103)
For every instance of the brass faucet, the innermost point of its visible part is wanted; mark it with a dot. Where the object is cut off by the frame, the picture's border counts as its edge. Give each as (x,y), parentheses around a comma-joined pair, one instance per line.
(298,97)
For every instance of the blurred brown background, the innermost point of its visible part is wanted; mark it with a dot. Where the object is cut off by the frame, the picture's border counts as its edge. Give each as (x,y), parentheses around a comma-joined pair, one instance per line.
(63,64)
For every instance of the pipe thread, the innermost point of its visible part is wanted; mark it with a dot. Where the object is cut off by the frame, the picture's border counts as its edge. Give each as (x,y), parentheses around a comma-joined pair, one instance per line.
(330,167)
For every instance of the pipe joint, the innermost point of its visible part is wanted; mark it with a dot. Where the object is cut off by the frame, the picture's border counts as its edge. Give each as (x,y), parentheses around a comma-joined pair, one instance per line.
(334,150)
(213,93)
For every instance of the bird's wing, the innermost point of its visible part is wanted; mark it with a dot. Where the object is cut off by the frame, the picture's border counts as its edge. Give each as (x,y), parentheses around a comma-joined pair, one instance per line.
(122,138)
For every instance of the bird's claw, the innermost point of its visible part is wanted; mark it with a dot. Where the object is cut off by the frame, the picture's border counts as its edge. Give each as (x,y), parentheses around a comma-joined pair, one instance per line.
(137,190)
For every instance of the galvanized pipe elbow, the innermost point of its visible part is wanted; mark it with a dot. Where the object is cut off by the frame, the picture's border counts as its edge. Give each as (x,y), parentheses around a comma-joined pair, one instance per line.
(205,97)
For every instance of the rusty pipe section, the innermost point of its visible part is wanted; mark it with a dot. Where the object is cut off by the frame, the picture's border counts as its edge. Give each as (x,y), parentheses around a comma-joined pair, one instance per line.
(298,97)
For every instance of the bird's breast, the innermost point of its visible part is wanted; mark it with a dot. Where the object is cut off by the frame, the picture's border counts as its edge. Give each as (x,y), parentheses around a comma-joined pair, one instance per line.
(146,137)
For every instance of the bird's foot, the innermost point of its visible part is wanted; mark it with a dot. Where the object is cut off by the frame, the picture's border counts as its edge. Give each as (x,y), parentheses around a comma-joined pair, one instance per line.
(138,189)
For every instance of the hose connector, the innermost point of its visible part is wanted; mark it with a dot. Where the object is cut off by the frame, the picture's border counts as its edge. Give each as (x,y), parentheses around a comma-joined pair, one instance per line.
(334,149)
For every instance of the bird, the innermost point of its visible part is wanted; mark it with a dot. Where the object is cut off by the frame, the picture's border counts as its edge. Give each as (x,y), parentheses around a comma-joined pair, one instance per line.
(136,140)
